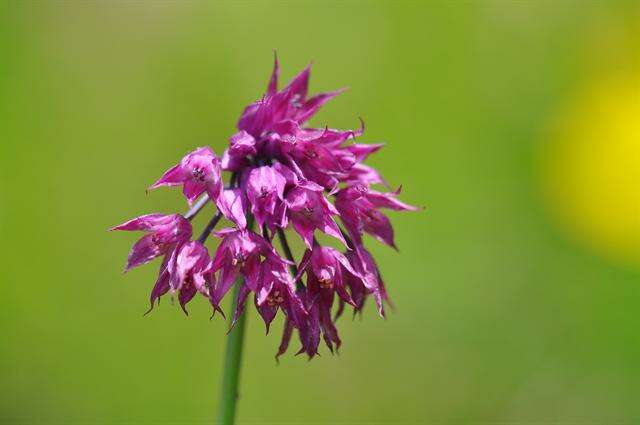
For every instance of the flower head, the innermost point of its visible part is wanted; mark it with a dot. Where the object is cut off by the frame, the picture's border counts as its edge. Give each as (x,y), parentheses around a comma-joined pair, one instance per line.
(284,175)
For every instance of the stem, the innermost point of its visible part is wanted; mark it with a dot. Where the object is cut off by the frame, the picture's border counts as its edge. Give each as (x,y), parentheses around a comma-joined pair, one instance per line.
(231,371)
(210,226)
(197,207)
(289,255)
(346,237)
(232,358)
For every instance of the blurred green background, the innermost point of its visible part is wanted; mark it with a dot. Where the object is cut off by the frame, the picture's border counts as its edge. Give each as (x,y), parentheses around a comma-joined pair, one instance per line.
(514,123)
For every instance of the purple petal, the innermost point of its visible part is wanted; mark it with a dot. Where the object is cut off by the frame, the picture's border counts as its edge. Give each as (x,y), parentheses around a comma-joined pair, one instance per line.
(172,177)
(273,82)
(312,105)
(144,222)
(233,206)
(142,252)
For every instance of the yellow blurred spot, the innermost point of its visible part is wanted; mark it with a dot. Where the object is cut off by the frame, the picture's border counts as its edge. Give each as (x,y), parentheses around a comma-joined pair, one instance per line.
(591,168)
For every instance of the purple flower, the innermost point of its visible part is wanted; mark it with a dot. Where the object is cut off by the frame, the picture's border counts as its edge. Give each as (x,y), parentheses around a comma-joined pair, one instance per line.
(326,270)
(190,272)
(265,191)
(278,291)
(233,205)
(370,282)
(164,232)
(239,253)
(308,210)
(359,210)
(291,103)
(199,171)
(283,175)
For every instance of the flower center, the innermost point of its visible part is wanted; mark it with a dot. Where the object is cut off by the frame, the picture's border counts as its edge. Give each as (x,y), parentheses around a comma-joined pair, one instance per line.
(325,278)
(238,259)
(158,242)
(198,174)
(275,298)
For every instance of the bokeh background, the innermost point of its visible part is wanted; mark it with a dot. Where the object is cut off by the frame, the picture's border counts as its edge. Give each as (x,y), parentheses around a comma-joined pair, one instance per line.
(517,125)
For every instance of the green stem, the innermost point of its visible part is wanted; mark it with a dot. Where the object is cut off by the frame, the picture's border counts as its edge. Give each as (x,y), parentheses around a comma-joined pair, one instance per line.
(232,362)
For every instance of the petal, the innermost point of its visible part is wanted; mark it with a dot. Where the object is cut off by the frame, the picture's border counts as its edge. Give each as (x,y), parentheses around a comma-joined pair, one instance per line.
(304,263)
(330,227)
(186,294)
(312,105)
(161,287)
(242,144)
(172,177)
(144,222)
(380,227)
(362,151)
(240,305)
(286,338)
(272,88)
(388,200)
(192,190)
(267,312)
(142,252)
(227,277)
(305,230)
(300,83)
(233,206)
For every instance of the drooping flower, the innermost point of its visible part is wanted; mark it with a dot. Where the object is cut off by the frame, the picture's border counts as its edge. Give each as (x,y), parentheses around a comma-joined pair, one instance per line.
(359,209)
(164,232)
(326,268)
(278,291)
(189,272)
(308,210)
(239,253)
(327,271)
(198,172)
(265,191)
(369,281)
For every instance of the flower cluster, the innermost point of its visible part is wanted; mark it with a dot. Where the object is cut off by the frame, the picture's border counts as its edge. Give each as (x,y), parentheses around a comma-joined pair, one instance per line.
(282,174)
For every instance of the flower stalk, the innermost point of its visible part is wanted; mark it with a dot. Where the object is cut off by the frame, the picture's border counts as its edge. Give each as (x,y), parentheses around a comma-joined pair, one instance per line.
(232,365)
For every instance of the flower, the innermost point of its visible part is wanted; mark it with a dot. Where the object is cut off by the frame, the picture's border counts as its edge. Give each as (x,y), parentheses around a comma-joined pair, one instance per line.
(199,171)
(289,103)
(164,232)
(278,291)
(369,281)
(359,206)
(189,272)
(265,189)
(308,210)
(284,174)
(326,270)
(239,253)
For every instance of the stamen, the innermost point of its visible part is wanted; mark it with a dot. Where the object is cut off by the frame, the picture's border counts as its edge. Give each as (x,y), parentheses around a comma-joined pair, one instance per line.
(197,174)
